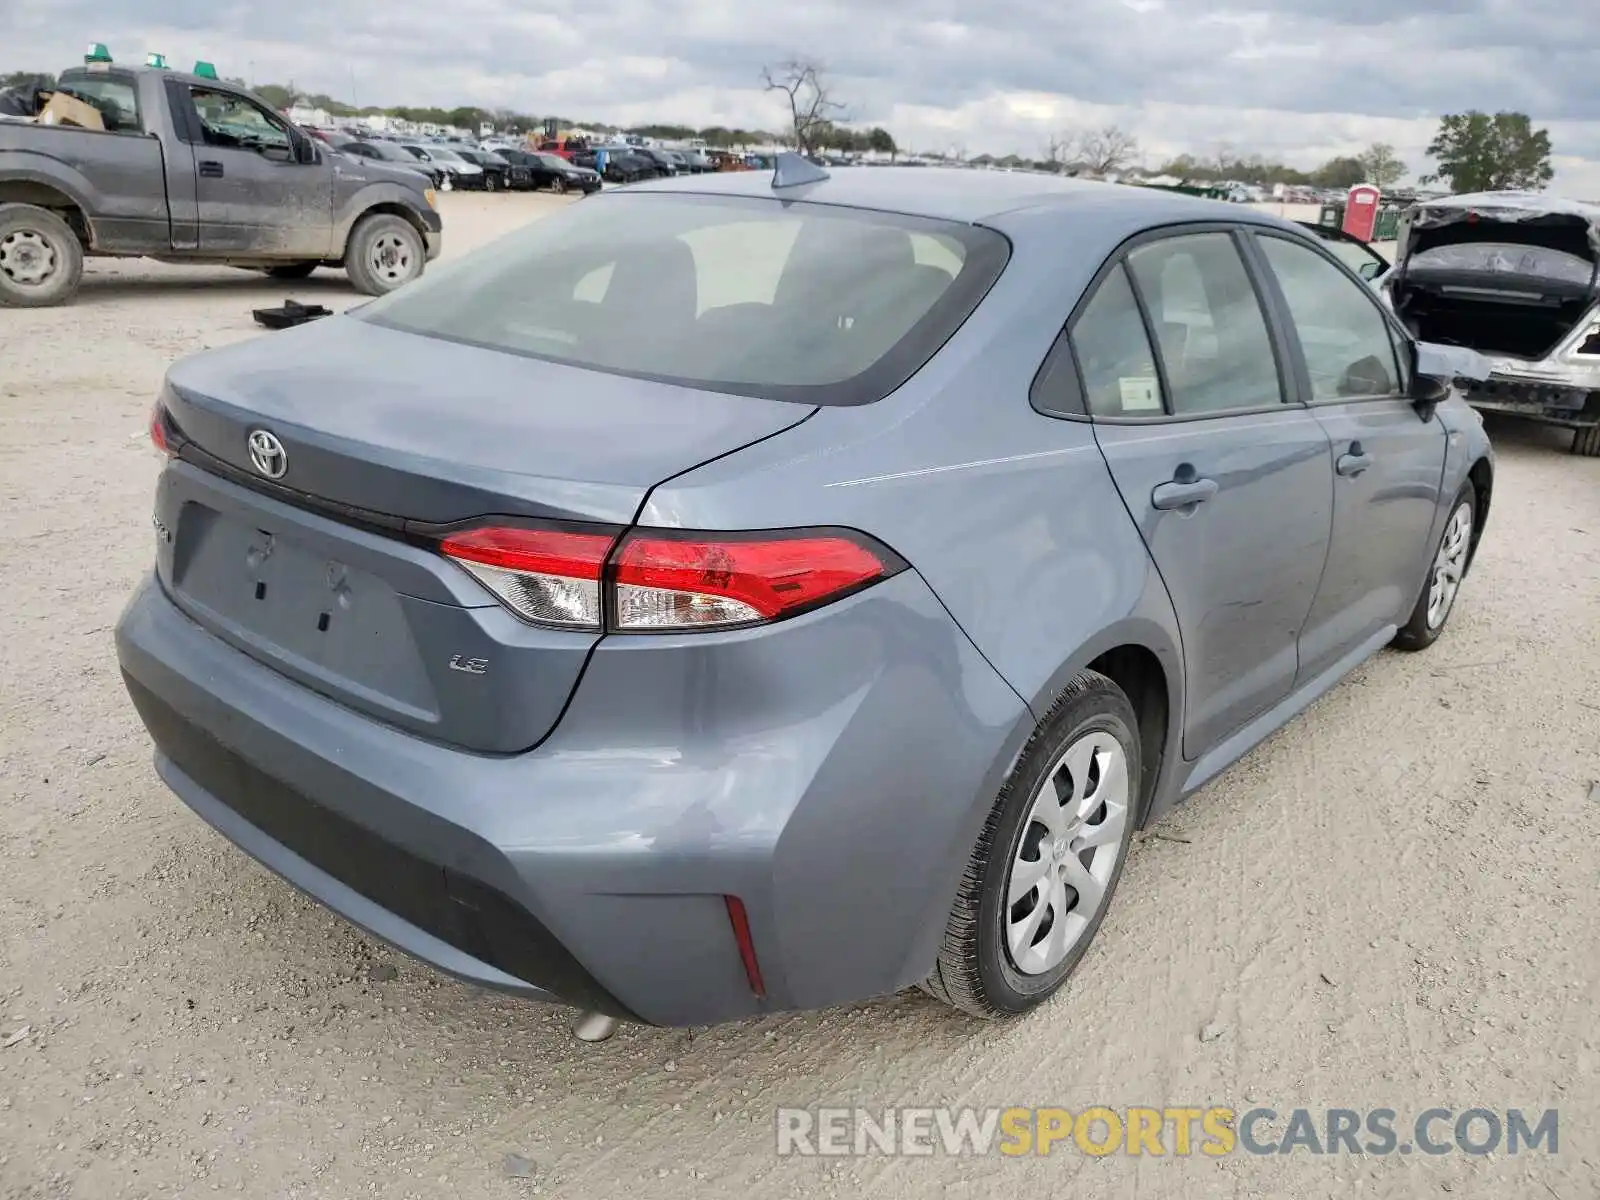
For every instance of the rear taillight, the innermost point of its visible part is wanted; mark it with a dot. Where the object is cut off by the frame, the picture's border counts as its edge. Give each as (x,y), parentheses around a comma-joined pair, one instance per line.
(546,576)
(660,580)
(690,582)
(160,436)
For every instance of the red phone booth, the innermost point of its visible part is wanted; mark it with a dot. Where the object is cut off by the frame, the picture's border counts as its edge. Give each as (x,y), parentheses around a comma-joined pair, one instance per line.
(1361,211)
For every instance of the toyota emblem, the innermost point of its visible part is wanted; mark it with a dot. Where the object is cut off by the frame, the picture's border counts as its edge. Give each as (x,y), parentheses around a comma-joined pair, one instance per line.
(267,454)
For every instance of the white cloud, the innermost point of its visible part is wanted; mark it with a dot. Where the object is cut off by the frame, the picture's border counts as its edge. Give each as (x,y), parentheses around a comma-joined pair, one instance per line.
(1295,80)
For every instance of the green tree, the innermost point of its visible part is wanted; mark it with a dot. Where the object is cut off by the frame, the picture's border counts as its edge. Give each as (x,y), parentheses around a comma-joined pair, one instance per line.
(1477,152)
(1341,172)
(1383,168)
(275,94)
(881,141)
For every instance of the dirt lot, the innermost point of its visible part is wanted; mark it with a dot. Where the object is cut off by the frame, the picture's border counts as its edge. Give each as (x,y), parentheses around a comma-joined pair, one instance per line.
(1392,903)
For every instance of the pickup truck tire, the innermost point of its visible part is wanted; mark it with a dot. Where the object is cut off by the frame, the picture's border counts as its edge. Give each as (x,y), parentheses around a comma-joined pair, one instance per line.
(384,252)
(293,270)
(41,259)
(1586,442)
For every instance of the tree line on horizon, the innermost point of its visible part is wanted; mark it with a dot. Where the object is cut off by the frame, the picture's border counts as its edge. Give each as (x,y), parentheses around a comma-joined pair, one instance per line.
(1474,151)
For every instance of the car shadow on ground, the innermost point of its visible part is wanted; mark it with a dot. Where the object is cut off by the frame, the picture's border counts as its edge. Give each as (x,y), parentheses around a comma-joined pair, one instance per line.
(324,283)
(1507,432)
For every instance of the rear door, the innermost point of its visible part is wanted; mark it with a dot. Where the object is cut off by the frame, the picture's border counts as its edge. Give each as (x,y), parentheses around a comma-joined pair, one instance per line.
(1228,480)
(255,197)
(1388,459)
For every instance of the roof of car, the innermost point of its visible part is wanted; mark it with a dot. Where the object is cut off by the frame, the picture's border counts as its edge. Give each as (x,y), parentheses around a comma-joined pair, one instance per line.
(960,194)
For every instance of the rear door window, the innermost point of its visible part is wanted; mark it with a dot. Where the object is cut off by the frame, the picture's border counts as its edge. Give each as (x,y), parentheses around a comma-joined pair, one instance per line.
(1208,323)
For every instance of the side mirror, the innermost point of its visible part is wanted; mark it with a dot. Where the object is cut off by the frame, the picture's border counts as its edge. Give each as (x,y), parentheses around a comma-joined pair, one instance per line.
(1429,390)
(1371,270)
(305,151)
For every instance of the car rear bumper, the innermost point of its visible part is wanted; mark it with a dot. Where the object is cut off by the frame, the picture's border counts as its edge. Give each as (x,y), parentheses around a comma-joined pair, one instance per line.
(1550,400)
(831,772)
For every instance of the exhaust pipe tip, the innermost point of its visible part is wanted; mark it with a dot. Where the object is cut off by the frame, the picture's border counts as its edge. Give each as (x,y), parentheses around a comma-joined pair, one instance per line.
(594,1027)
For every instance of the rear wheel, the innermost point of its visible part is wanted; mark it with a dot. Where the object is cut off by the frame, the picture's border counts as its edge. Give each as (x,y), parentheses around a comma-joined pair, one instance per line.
(1587,441)
(293,270)
(1443,583)
(385,251)
(491,183)
(1043,872)
(559,186)
(41,259)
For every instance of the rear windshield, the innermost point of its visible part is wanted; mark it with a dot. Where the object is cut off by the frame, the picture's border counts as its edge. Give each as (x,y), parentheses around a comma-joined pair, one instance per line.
(789,301)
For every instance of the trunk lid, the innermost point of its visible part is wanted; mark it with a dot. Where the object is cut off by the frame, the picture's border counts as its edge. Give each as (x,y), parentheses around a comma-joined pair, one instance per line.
(1503,273)
(324,575)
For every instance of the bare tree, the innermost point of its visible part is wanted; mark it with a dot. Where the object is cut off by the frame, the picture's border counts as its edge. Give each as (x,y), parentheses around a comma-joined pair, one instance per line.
(1105,151)
(812,109)
(1058,151)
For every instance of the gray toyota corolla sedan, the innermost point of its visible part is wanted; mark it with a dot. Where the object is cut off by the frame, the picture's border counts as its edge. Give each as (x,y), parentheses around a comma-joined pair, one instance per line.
(754,592)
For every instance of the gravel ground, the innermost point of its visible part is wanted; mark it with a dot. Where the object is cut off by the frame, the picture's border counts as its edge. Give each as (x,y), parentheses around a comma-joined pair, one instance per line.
(1391,903)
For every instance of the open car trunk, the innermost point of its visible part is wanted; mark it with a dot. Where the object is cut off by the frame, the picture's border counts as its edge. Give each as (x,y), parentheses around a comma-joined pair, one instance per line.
(1501,273)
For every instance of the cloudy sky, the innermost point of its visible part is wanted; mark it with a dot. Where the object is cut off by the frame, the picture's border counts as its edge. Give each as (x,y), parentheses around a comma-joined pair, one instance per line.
(1275,77)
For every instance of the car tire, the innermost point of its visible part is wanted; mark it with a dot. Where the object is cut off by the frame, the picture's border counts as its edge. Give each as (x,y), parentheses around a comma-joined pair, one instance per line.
(559,186)
(41,259)
(1452,554)
(384,252)
(490,183)
(300,270)
(1078,777)
(1586,442)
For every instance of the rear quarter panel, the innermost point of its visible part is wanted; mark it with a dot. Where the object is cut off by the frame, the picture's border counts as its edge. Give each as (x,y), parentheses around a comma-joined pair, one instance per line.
(1009,515)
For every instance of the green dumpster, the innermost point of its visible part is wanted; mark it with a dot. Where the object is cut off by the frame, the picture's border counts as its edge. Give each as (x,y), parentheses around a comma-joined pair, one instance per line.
(1388,224)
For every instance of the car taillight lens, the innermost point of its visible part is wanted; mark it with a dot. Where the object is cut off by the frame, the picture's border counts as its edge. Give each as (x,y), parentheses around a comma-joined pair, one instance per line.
(692,582)
(160,438)
(666,580)
(546,576)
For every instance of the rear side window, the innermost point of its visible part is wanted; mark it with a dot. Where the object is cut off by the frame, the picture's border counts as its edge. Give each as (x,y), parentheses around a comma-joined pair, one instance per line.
(1208,324)
(758,297)
(116,100)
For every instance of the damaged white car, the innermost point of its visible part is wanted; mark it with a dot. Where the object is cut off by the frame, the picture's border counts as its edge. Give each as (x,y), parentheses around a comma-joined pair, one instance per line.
(1516,277)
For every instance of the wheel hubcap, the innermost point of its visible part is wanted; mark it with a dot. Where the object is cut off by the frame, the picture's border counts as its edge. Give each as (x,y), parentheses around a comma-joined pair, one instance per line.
(1449,565)
(27,258)
(1071,841)
(392,258)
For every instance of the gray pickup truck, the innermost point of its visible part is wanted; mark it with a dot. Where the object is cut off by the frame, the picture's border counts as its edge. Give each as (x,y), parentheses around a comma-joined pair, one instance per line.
(192,170)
